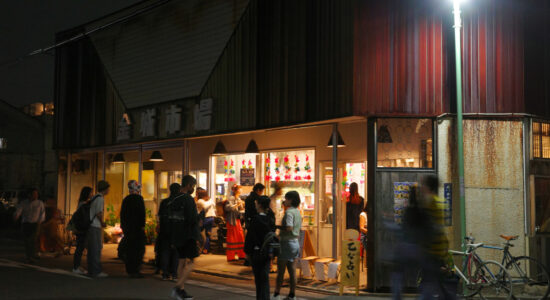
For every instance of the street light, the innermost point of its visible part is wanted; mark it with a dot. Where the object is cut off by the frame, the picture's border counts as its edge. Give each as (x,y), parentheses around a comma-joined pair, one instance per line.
(459,130)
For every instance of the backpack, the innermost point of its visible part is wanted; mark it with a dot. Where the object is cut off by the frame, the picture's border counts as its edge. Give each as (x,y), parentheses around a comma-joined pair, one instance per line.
(270,245)
(176,221)
(80,220)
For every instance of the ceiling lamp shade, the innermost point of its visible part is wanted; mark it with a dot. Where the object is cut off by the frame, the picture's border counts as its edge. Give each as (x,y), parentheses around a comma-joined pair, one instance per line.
(219,149)
(252,148)
(340,141)
(156,156)
(119,159)
(384,135)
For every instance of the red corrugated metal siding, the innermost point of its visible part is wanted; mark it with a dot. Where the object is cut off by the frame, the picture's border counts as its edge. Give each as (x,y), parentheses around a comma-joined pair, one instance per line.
(400,60)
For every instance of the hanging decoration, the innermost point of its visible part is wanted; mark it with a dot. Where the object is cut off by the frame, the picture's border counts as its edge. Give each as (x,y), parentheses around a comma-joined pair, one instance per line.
(288,168)
(277,169)
(297,176)
(344,183)
(243,166)
(362,180)
(250,164)
(267,168)
(225,170)
(307,168)
(231,171)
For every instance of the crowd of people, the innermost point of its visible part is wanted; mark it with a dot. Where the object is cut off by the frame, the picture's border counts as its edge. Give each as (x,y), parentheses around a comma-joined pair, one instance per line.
(259,231)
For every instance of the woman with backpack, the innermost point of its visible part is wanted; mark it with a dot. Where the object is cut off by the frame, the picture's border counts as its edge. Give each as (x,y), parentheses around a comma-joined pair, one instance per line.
(256,246)
(85,197)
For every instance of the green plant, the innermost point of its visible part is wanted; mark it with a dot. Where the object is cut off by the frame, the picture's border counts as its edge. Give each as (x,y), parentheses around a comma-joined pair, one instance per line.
(111,218)
(150,227)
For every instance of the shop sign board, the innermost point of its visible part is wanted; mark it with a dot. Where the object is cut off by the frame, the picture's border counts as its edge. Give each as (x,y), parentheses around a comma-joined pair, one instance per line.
(247,177)
(448,195)
(350,265)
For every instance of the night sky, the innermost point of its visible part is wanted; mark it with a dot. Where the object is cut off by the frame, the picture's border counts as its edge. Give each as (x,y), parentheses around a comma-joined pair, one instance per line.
(30,25)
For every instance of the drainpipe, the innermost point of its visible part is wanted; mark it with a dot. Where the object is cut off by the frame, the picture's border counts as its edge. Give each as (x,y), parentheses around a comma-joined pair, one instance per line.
(459,130)
(335,191)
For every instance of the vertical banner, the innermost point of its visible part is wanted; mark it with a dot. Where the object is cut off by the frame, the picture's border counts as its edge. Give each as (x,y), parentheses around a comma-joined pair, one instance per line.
(401,192)
(448,195)
(350,269)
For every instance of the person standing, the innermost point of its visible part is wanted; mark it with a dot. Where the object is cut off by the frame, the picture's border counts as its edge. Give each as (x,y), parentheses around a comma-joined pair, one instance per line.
(207,208)
(235,236)
(184,233)
(290,247)
(261,226)
(32,213)
(363,228)
(95,232)
(132,222)
(168,255)
(354,207)
(250,203)
(85,197)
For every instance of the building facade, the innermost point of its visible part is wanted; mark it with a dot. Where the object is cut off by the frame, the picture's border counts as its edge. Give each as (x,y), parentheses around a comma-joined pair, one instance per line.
(182,78)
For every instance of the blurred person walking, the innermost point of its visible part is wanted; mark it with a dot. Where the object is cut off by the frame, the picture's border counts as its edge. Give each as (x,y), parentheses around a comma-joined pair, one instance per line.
(184,233)
(132,222)
(32,213)
(207,209)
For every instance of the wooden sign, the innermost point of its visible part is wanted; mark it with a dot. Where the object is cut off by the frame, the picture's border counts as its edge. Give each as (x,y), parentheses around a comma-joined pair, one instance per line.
(350,267)
(247,177)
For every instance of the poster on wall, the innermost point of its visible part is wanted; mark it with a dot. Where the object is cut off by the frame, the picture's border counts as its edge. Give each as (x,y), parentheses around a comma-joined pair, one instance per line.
(448,195)
(247,177)
(401,193)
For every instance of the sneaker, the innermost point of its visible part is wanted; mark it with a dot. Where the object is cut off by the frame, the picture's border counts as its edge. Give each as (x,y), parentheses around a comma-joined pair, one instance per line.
(278,297)
(79,271)
(175,278)
(184,295)
(165,277)
(290,298)
(175,293)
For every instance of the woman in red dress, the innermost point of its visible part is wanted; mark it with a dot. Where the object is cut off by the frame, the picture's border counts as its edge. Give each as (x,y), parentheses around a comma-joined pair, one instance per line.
(235,236)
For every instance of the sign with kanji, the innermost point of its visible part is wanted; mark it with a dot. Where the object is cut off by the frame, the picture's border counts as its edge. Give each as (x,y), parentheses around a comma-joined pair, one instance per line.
(203,114)
(173,119)
(124,130)
(247,177)
(350,265)
(148,122)
(448,193)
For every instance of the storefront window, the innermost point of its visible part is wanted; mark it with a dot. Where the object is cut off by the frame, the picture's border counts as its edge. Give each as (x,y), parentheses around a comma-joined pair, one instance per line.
(541,140)
(293,170)
(405,143)
(542,205)
(229,170)
(161,168)
(82,174)
(119,169)
(202,179)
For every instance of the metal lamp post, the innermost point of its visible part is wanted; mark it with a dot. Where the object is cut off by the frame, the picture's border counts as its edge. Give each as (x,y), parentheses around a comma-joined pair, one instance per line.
(459,130)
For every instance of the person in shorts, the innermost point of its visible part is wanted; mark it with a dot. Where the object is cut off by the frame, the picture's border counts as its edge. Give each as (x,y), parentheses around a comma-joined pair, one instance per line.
(184,233)
(290,247)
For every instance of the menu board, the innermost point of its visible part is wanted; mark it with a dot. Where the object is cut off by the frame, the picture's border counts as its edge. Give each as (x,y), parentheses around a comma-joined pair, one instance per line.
(401,193)
(247,177)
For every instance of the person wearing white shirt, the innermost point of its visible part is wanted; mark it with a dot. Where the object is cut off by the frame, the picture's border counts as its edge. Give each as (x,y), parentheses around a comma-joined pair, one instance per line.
(95,232)
(207,208)
(32,213)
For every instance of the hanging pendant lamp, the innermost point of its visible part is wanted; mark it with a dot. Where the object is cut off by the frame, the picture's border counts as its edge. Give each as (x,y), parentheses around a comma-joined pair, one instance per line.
(340,141)
(119,159)
(252,148)
(219,149)
(156,156)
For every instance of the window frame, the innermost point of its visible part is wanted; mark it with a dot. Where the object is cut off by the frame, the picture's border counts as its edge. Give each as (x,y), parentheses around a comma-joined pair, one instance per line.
(408,169)
(540,135)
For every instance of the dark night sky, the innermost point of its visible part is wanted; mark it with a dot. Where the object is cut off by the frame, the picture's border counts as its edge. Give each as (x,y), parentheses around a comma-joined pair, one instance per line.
(28,25)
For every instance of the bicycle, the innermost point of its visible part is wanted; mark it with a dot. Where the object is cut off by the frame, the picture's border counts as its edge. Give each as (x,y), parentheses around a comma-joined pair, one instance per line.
(488,279)
(529,277)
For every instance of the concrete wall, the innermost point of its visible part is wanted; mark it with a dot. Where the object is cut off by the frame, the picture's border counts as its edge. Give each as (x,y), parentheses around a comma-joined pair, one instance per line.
(493,163)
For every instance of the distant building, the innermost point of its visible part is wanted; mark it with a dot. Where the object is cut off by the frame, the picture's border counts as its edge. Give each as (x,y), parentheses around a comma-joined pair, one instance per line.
(27,158)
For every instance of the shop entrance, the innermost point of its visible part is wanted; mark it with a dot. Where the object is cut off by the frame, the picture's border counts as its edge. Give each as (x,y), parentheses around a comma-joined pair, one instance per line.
(348,173)
(540,242)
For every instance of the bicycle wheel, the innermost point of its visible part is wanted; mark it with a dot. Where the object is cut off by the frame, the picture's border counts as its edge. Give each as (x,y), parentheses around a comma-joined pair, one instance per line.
(493,280)
(471,288)
(529,278)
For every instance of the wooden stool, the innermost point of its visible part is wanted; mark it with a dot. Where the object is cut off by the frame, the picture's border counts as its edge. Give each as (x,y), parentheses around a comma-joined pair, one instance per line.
(310,261)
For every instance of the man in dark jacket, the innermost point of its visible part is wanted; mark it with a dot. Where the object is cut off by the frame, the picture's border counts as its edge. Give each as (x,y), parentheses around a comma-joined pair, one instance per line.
(250,203)
(169,258)
(132,221)
(184,233)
